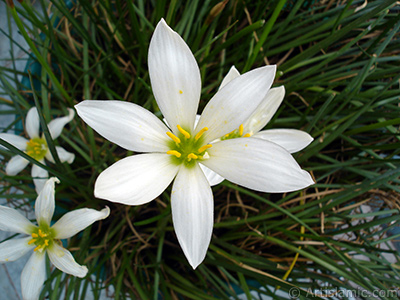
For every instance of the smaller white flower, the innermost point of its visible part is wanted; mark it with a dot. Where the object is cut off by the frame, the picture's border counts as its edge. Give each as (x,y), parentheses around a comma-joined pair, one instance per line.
(44,238)
(36,146)
(293,140)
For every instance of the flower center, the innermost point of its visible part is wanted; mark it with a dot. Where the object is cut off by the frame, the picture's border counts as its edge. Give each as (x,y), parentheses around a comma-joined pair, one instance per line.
(42,237)
(237,133)
(36,148)
(187,149)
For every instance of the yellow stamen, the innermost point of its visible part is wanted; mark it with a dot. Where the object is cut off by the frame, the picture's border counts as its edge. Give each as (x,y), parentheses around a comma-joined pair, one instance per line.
(200,133)
(38,248)
(180,92)
(247,135)
(204,148)
(34,235)
(192,156)
(183,131)
(31,241)
(174,137)
(241,129)
(41,234)
(174,152)
(46,242)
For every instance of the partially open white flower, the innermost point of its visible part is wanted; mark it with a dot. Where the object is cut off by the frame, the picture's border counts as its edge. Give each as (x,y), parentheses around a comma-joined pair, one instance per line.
(36,146)
(44,238)
(177,152)
(292,140)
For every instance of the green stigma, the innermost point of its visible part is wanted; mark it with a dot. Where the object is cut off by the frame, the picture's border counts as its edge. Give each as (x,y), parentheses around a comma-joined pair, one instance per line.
(37,148)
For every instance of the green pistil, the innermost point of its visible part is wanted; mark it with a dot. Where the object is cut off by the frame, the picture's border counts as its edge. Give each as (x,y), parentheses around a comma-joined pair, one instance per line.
(186,149)
(42,237)
(36,148)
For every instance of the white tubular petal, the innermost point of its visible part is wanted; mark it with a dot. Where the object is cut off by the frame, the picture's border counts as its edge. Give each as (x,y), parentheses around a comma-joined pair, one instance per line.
(15,140)
(40,176)
(16,165)
(13,249)
(175,77)
(63,155)
(128,125)
(33,276)
(45,202)
(292,140)
(257,164)
(265,111)
(11,220)
(63,260)
(192,213)
(136,179)
(233,105)
(232,74)
(73,222)
(56,126)
(212,177)
(32,123)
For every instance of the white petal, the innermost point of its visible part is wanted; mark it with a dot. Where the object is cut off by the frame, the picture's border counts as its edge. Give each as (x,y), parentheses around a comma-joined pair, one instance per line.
(136,179)
(175,77)
(15,140)
(75,221)
(11,220)
(129,125)
(56,126)
(63,260)
(257,164)
(32,123)
(33,276)
(192,213)
(63,155)
(292,140)
(45,202)
(13,249)
(15,165)
(232,74)
(233,105)
(265,111)
(212,177)
(40,176)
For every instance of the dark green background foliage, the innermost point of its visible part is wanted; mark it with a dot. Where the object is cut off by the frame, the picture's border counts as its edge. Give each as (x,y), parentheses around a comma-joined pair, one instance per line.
(339,63)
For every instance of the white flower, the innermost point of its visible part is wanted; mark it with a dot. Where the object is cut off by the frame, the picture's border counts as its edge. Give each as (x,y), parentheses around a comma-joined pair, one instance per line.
(292,140)
(178,152)
(43,238)
(36,146)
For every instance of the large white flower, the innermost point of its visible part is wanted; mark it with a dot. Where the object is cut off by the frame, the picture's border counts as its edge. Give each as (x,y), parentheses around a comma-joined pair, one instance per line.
(179,151)
(292,140)
(36,146)
(44,238)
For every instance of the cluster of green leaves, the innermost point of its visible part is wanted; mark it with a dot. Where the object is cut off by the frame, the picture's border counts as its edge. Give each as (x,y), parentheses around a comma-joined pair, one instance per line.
(340,66)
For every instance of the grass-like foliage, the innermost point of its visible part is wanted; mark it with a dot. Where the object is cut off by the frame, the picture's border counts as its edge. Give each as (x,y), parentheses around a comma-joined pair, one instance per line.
(339,63)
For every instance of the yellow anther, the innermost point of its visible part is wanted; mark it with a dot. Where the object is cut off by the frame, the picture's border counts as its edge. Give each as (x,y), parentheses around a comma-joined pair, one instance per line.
(174,152)
(31,241)
(247,135)
(192,156)
(241,129)
(174,137)
(183,131)
(46,242)
(41,234)
(38,248)
(180,92)
(204,148)
(200,133)
(34,235)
